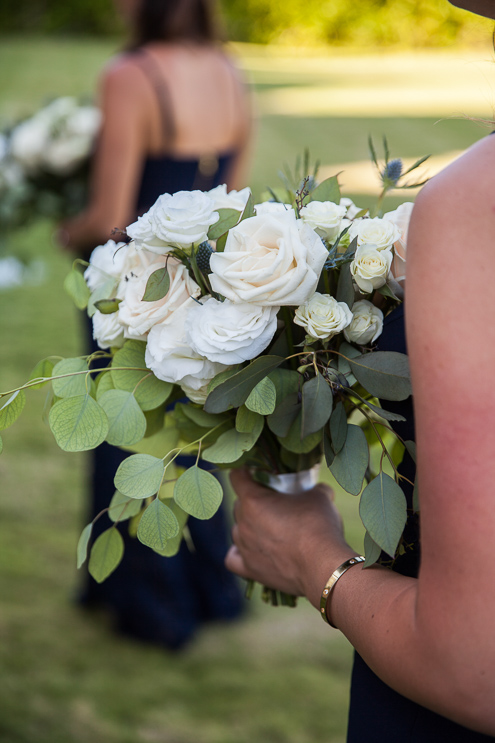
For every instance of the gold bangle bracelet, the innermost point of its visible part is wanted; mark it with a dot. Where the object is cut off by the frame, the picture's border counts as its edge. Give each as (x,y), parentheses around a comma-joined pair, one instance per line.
(330,585)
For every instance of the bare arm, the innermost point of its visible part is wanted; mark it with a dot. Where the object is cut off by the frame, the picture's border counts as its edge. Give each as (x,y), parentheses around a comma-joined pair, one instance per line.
(432,638)
(117,162)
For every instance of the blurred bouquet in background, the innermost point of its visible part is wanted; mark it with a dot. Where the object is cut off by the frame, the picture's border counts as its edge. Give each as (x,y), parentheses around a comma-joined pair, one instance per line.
(244,334)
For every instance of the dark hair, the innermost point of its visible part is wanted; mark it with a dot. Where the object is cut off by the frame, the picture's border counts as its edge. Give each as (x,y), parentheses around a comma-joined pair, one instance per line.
(176,20)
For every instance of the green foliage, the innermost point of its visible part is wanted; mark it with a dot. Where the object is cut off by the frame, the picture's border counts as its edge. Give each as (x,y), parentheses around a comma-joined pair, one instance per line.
(383,512)
(82,545)
(317,404)
(77,289)
(68,386)
(11,409)
(350,464)
(157,285)
(327,190)
(43,368)
(198,493)
(78,423)
(122,507)
(235,390)
(149,391)
(385,374)
(232,444)
(106,554)
(262,398)
(139,476)
(227,219)
(158,524)
(127,423)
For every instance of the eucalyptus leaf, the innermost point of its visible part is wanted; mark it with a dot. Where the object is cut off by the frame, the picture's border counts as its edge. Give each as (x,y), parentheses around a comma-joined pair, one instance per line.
(284,415)
(42,370)
(11,409)
(384,374)
(296,442)
(232,444)
(385,414)
(78,423)
(200,417)
(139,476)
(371,551)
(411,448)
(107,306)
(383,511)
(77,289)
(249,210)
(286,382)
(68,386)
(122,507)
(317,403)
(158,524)
(106,554)
(338,427)
(247,421)
(127,423)
(220,378)
(327,449)
(350,464)
(157,285)
(150,392)
(327,190)
(220,244)
(104,383)
(262,398)
(198,493)
(345,287)
(228,218)
(155,420)
(172,545)
(104,291)
(235,391)
(82,545)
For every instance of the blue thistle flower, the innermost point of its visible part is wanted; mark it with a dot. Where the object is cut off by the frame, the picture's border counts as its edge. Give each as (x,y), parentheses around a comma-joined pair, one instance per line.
(392,171)
(203,256)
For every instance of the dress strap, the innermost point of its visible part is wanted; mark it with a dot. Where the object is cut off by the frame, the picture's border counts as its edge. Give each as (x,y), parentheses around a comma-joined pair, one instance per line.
(152,71)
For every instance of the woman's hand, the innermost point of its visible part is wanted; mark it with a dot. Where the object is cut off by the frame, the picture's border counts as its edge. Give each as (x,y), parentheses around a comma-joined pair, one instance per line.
(290,543)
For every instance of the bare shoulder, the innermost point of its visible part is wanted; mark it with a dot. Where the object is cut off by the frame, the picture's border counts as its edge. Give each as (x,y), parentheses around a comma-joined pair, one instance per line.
(122,76)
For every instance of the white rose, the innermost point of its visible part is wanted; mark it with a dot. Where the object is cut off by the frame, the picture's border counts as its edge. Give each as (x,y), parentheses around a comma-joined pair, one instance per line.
(144,237)
(400,217)
(198,395)
(85,122)
(231,200)
(107,330)
(171,358)
(324,217)
(62,155)
(138,316)
(272,207)
(106,262)
(370,267)
(378,232)
(351,209)
(230,333)
(183,218)
(270,261)
(322,316)
(366,325)
(28,141)
(136,261)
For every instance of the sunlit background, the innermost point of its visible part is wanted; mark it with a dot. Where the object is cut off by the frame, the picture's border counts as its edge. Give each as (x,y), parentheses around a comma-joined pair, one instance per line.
(324,76)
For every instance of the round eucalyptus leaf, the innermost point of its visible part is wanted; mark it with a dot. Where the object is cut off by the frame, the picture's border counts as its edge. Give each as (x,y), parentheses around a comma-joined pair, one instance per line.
(122,507)
(262,399)
(158,524)
(77,289)
(246,421)
(172,545)
(350,464)
(11,409)
(317,404)
(78,423)
(127,422)
(149,391)
(43,370)
(231,445)
(295,442)
(103,383)
(139,476)
(106,554)
(198,493)
(82,545)
(70,386)
(383,511)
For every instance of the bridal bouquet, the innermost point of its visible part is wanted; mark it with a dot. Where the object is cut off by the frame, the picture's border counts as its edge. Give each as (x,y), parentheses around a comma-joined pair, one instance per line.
(241,333)
(44,161)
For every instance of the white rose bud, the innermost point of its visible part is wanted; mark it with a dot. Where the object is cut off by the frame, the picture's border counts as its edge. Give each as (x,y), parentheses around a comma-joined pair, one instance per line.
(378,232)
(272,207)
(322,316)
(171,358)
(370,267)
(138,316)
(366,325)
(324,217)
(229,200)
(106,262)
(270,261)
(230,333)
(107,330)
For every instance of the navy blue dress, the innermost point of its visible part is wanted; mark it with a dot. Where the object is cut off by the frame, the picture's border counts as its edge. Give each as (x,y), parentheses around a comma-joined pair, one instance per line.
(378,714)
(164,599)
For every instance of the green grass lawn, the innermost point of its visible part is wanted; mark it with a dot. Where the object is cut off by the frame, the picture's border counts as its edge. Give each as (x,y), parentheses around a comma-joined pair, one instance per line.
(278,676)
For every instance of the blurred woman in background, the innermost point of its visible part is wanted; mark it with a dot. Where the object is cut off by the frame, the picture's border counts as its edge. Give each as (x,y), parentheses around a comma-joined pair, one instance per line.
(176,117)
